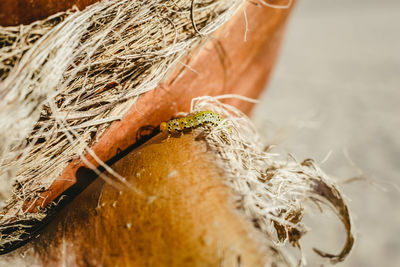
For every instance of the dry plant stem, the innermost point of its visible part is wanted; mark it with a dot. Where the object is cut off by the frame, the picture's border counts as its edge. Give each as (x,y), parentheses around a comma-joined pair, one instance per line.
(185,216)
(79,118)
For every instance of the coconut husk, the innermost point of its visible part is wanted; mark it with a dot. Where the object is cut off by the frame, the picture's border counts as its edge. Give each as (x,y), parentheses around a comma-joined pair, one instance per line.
(65,79)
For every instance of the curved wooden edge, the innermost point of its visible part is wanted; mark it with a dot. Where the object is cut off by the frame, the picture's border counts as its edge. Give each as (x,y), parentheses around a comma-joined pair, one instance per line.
(184,215)
(226,64)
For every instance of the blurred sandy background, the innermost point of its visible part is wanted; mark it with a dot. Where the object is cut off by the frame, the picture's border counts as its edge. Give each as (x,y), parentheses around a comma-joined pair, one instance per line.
(337,88)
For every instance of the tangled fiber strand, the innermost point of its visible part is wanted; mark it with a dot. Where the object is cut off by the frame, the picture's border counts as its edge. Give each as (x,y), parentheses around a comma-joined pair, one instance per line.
(63,80)
(272,192)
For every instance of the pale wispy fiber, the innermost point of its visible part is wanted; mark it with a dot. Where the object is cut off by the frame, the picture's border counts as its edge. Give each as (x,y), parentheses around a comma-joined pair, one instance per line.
(275,192)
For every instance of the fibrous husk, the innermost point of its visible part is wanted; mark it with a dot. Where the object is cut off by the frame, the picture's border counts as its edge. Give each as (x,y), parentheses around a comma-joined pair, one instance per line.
(63,81)
(274,192)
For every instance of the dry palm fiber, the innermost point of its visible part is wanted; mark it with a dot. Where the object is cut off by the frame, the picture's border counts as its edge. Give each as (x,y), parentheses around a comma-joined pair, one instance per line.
(274,193)
(65,79)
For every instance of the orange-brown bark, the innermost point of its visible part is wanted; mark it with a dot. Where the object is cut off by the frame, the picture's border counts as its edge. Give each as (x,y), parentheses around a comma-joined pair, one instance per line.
(184,216)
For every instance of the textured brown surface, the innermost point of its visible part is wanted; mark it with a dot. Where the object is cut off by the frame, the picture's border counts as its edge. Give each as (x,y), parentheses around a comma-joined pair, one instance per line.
(226,64)
(185,215)
(15,12)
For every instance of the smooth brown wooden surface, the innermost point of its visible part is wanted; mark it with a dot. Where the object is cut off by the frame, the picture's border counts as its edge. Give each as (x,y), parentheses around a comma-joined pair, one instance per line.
(184,216)
(15,12)
(227,64)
